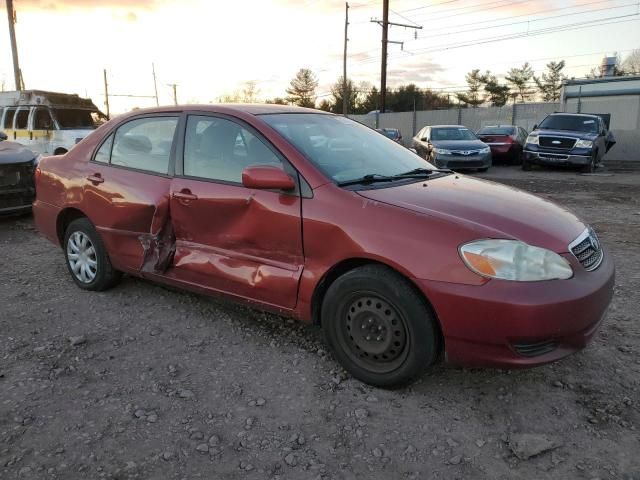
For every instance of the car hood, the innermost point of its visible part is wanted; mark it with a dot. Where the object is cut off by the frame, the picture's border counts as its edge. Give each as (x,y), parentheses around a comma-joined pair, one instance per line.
(459,144)
(13,152)
(566,133)
(489,209)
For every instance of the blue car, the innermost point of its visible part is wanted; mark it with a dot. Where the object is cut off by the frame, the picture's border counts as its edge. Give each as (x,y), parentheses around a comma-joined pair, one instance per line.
(569,139)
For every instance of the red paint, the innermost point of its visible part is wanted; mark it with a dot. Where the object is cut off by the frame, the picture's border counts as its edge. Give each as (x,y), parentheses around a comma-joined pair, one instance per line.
(272,247)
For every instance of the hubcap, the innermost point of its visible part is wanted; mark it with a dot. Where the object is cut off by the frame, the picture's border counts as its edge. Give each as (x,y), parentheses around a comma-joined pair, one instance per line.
(375,334)
(81,256)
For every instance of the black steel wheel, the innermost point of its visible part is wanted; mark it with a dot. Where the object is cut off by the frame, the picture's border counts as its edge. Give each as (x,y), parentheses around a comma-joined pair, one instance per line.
(374,333)
(379,326)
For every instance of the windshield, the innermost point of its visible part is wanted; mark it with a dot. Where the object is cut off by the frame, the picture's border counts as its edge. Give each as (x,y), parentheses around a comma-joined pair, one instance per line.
(69,118)
(452,133)
(573,123)
(496,131)
(343,149)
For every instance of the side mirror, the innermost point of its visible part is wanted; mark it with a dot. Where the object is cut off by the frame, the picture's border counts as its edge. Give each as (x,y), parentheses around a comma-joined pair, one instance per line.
(3,136)
(535,127)
(424,139)
(267,177)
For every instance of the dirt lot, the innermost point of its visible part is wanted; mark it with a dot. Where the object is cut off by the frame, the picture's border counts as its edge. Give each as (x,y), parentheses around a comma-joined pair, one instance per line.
(145,382)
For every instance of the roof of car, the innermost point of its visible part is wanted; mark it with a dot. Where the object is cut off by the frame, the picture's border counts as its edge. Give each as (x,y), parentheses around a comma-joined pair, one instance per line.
(591,115)
(446,126)
(250,108)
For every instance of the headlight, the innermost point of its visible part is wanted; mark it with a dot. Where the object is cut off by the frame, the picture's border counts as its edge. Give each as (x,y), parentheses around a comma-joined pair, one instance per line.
(533,140)
(442,151)
(485,150)
(584,144)
(514,260)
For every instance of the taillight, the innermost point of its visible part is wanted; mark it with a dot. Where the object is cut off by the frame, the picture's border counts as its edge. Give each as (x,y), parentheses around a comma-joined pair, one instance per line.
(36,174)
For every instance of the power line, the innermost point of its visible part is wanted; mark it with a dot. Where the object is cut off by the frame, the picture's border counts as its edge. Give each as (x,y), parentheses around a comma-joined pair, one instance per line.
(531,33)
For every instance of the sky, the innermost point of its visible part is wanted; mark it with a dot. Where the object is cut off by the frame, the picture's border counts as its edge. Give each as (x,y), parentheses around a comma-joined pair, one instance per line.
(210,48)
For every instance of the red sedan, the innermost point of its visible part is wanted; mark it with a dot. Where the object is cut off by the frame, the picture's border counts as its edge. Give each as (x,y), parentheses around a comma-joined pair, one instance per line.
(315,216)
(506,142)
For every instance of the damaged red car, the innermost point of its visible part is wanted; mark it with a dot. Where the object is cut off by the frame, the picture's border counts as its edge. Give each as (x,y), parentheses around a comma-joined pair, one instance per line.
(318,217)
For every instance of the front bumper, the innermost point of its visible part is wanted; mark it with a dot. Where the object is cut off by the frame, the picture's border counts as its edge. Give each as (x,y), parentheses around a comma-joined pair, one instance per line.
(553,158)
(16,200)
(521,324)
(460,162)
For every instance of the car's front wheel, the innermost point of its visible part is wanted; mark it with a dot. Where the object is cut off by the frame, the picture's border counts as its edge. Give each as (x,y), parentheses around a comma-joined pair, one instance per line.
(379,327)
(87,258)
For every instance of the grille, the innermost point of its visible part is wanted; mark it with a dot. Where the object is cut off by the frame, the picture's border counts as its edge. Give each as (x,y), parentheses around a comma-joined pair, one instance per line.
(465,153)
(557,142)
(551,156)
(587,249)
(535,349)
(465,164)
(17,187)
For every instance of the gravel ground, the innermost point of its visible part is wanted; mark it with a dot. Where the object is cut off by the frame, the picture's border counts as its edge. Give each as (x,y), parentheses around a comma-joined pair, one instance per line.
(150,383)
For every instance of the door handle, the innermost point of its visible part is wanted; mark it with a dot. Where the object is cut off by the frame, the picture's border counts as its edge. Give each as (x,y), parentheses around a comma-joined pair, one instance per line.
(184,195)
(96,178)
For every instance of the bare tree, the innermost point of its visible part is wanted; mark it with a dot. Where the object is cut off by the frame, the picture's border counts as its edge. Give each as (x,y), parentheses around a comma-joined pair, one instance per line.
(631,63)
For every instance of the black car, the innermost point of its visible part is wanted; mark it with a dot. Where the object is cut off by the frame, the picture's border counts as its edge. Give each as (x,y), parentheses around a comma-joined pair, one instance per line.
(392,133)
(571,139)
(17,187)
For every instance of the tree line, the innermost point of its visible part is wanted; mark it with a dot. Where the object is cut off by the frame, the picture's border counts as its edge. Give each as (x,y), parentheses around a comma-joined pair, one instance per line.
(518,84)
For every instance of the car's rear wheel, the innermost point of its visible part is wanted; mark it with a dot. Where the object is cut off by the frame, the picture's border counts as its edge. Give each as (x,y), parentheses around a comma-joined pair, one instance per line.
(380,329)
(87,258)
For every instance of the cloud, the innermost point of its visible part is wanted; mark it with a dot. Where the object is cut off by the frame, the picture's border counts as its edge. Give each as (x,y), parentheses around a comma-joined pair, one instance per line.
(418,72)
(83,4)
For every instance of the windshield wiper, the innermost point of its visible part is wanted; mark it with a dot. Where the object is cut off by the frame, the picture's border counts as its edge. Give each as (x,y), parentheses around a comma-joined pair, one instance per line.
(422,171)
(376,177)
(370,178)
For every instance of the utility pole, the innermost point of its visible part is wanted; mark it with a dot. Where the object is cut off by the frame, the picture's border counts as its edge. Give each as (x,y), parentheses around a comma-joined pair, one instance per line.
(106,92)
(174,86)
(17,74)
(155,84)
(345,100)
(383,72)
(385,41)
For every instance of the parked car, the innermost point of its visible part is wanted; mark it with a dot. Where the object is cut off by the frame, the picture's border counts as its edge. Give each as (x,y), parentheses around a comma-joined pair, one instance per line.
(570,139)
(506,142)
(17,165)
(392,133)
(452,146)
(399,262)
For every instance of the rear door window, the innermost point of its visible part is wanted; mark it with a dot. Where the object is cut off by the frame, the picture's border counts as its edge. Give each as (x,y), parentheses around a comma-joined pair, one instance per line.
(144,144)
(22,119)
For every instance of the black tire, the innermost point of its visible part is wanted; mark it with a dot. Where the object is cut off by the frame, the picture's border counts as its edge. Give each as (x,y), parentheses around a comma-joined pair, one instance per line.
(517,158)
(482,170)
(105,276)
(526,165)
(591,166)
(372,312)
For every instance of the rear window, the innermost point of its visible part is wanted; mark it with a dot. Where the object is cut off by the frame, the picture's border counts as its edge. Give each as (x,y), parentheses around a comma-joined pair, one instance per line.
(75,118)
(572,123)
(497,131)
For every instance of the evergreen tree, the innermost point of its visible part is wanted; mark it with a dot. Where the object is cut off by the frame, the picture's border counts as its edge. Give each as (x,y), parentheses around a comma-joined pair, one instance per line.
(302,89)
(551,82)
(472,96)
(519,79)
